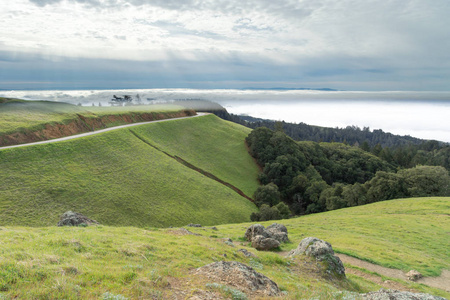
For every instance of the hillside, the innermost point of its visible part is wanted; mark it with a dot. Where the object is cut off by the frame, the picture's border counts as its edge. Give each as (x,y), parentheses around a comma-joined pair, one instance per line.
(132,263)
(29,121)
(118,179)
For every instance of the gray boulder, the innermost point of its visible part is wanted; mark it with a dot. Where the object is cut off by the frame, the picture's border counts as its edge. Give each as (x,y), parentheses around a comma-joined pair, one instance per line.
(277,227)
(70,218)
(260,242)
(254,230)
(240,276)
(275,231)
(322,252)
(383,294)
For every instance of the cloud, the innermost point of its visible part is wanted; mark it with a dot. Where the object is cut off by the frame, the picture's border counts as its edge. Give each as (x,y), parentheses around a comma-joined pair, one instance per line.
(302,41)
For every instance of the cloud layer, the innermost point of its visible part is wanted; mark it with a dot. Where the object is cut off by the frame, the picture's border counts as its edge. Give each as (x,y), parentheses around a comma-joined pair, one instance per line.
(345,44)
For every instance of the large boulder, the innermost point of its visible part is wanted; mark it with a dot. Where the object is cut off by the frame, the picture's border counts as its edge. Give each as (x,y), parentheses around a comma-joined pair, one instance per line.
(260,242)
(254,230)
(322,252)
(241,277)
(70,218)
(383,294)
(275,231)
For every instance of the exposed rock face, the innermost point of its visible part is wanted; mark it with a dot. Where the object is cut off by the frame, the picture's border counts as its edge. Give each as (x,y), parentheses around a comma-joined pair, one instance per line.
(275,231)
(260,242)
(321,251)
(413,275)
(240,276)
(398,295)
(70,218)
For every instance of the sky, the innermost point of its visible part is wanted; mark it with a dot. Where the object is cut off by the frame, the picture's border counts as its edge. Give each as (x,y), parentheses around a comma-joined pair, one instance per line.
(114,44)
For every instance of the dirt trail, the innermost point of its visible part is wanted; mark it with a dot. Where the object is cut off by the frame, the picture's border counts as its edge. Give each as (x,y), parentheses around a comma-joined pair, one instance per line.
(442,282)
(100,131)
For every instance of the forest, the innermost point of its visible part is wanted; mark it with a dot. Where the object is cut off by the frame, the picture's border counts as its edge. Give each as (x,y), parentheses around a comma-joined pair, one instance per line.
(311,177)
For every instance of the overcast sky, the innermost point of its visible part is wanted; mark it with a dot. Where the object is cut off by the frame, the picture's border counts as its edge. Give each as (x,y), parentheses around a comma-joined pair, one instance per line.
(341,44)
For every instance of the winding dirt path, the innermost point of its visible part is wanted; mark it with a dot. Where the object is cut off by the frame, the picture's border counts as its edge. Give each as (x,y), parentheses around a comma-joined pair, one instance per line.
(99,131)
(442,282)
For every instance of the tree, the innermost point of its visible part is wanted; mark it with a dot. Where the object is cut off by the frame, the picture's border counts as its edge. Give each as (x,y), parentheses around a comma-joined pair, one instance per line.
(267,194)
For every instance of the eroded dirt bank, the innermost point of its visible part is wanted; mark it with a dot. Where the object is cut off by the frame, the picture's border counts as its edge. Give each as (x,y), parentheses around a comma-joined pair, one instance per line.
(85,124)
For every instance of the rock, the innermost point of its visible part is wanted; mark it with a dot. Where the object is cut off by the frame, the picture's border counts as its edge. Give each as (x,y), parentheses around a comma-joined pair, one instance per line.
(184,231)
(275,231)
(246,253)
(70,218)
(321,251)
(413,275)
(260,242)
(194,225)
(312,246)
(229,242)
(214,228)
(277,227)
(241,277)
(383,294)
(254,230)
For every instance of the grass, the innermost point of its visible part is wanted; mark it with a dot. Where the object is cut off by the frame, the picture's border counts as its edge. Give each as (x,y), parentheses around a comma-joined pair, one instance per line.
(117,179)
(224,154)
(20,115)
(403,234)
(127,262)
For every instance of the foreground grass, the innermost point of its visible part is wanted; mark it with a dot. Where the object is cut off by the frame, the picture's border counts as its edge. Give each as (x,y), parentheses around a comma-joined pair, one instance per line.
(117,179)
(87,263)
(21,115)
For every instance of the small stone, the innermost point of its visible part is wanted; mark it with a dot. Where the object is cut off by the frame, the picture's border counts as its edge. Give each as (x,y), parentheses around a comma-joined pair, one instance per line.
(70,218)
(246,253)
(194,225)
(413,275)
(214,228)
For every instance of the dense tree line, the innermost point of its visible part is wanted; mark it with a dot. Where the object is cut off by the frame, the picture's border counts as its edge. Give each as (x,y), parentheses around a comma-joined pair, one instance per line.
(312,177)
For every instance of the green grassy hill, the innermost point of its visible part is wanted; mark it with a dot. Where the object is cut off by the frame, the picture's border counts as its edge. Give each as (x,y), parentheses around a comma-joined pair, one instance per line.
(133,263)
(118,179)
(19,115)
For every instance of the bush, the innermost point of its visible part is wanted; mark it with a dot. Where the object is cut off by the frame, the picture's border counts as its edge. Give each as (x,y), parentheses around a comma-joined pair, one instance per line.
(267,194)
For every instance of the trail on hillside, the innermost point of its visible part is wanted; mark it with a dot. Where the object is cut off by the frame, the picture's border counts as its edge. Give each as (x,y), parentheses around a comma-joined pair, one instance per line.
(195,168)
(98,131)
(441,282)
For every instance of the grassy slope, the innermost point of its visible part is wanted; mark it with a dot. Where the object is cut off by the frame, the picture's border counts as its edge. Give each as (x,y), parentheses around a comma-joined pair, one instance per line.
(17,115)
(403,234)
(71,263)
(224,155)
(114,178)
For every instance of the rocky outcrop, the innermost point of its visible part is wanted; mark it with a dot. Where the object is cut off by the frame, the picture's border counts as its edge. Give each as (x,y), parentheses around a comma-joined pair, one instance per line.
(322,252)
(241,277)
(413,275)
(398,295)
(266,238)
(260,242)
(70,218)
